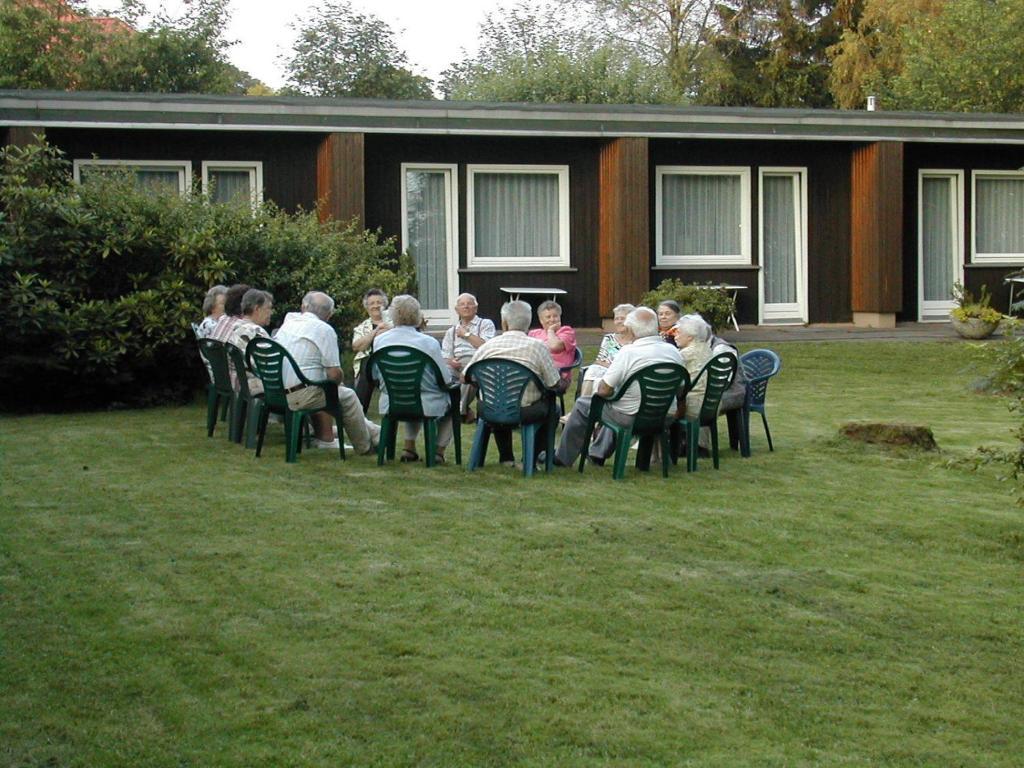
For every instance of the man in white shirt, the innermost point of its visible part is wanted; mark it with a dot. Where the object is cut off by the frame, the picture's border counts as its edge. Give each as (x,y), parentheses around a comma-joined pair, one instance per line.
(314,344)
(461,341)
(646,349)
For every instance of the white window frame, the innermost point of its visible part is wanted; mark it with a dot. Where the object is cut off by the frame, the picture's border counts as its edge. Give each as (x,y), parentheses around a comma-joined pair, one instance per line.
(435,315)
(254,167)
(939,311)
(505,264)
(184,168)
(989,258)
(743,258)
(801,214)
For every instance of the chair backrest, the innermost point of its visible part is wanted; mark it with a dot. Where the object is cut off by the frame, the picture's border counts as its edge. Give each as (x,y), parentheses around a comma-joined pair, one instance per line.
(241,372)
(720,371)
(759,365)
(401,369)
(577,361)
(268,358)
(216,358)
(659,383)
(501,384)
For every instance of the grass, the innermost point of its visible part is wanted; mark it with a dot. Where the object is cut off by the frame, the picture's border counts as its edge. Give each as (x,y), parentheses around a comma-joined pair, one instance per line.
(168,600)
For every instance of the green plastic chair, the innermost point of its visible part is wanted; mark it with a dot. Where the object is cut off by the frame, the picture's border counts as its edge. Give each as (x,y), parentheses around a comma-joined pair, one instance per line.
(267,358)
(220,395)
(401,368)
(577,361)
(500,386)
(246,407)
(720,371)
(659,384)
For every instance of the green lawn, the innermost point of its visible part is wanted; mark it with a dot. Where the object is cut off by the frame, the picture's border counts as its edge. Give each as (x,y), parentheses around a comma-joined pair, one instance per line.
(168,600)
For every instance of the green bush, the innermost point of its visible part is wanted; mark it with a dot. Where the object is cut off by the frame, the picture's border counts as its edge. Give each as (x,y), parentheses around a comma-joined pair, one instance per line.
(713,304)
(99,282)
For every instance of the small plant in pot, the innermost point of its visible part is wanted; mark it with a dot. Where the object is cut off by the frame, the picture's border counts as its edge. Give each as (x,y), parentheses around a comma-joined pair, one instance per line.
(973,318)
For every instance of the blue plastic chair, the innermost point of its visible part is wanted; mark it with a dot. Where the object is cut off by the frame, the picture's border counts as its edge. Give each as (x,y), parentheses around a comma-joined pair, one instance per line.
(401,368)
(719,371)
(268,359)
(659,384)
(500,386)
(759,365)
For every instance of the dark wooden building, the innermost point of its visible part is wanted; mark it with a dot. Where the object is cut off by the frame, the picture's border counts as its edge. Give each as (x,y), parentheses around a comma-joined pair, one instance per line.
(822,216)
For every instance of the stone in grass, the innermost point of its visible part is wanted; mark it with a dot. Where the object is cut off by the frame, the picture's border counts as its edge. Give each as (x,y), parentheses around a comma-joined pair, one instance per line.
(910,435)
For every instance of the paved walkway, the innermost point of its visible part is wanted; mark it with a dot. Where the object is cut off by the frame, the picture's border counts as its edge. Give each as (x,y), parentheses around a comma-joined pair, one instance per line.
(764,334)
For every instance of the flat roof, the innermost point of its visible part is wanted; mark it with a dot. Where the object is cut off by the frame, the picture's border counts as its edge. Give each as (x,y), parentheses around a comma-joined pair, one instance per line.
(59,109)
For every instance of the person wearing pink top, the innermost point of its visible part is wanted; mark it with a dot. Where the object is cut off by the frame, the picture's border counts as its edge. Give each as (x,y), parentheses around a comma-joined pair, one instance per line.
(560,339)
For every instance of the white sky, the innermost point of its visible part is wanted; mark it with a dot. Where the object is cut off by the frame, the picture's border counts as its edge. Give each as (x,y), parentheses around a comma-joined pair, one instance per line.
(431,32)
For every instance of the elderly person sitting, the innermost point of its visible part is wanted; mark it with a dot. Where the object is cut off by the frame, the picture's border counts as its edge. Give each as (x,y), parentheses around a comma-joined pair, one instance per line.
(461,341)
(647,348)
(375,302)
(610,346)
(691,337)
(668,316)
(560,339)
(513,344)
(313,344)
(232,313)
(406,316)
(213,309)
(257,309)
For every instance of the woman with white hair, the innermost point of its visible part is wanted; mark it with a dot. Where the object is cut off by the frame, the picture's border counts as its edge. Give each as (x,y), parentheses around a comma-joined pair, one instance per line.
(213,309)
(610,346)
(691,337)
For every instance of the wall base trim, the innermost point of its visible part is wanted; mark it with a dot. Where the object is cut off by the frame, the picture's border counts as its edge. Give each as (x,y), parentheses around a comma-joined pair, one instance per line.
(874,319)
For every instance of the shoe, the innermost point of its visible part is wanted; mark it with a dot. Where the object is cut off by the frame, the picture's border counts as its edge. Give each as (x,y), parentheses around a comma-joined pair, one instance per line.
(317,443)
(597,461)
(512,464)
(408,457)
(542,458)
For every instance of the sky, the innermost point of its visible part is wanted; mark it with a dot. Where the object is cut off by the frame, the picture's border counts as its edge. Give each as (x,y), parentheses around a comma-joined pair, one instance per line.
(431,32)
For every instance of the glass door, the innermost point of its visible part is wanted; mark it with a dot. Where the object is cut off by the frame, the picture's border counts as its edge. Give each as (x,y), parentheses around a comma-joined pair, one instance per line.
(940,242)
(783,245)
(429,235)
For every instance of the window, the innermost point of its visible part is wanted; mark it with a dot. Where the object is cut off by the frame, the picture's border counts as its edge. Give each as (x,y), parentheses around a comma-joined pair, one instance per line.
(156,175)
(517,216)
(702,216)
(227,181)
(998,217)
(430,234)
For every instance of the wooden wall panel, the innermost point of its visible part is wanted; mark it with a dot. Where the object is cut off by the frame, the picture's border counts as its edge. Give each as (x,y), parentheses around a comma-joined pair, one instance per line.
(624,245)
(21,135)
(340,164)
(876,234)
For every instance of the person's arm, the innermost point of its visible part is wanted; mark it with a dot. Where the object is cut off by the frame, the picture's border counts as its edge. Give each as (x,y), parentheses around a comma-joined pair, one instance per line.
(486,332)
(553,340)
(334,374)
(604,390)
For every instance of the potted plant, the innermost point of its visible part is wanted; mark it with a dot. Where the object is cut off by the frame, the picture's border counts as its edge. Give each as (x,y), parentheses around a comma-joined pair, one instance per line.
(973,319)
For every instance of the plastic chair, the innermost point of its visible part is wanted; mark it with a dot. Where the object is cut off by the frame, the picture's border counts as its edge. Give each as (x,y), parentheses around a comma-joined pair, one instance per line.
(267,358)
(220,395)
(401,368)
(246,407)
(720,371)
(576,363)
(500,386)
(759,365)
(659,384)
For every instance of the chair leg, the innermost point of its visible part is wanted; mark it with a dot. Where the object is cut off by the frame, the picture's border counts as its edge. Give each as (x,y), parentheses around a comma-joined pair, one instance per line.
(457,436)
(745,432)
(262,430)
(252,421)
(767,432)
(643,453)
(237,423)
(529,434)
(291,454)
(692,432)
(622,440)
(734,422)
(385,440)
(666,460)
(211,410)
(714,442)
(549,440)
(225,407)
(481,437)
(341,432)
(430,441)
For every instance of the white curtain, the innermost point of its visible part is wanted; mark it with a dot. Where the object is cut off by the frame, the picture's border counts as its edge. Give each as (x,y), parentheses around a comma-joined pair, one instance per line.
(515,215)
(779,258)
(159,181)
(426,224)
(701,215)
(1000,215)
(228,186)
(937,238)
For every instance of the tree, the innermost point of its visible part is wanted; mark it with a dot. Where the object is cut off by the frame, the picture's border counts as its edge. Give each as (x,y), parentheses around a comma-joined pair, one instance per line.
(542,55)
(43,44)
(870,53)
(965,59)
(341,52)
(774,53)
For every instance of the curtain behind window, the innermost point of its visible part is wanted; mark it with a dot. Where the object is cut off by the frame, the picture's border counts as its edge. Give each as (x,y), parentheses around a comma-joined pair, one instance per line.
(937,238)
(158,181)
(701,215)
(999,209)
(515,215)
(428,235)
(779,258)
(228,186)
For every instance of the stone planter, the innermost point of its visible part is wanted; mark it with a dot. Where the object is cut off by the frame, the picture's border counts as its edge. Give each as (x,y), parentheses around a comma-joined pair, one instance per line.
(973,327)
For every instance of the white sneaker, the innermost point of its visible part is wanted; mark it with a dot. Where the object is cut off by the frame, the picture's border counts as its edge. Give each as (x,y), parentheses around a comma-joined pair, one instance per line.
(317,443)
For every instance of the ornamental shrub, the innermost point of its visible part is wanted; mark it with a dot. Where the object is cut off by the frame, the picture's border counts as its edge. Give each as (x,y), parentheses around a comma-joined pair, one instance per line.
(710,302)
(99,282)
